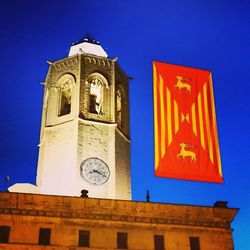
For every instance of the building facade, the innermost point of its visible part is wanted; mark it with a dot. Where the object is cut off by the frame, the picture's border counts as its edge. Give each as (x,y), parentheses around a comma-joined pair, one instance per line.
(32,221)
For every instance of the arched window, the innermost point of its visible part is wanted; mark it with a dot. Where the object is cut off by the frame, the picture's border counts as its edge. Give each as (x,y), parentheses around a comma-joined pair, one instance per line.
(119,107)
(96,96)
(65,102)
(65,85)
(98,84)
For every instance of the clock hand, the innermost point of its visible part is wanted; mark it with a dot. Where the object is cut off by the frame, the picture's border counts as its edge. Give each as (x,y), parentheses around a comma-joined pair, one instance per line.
(96,171)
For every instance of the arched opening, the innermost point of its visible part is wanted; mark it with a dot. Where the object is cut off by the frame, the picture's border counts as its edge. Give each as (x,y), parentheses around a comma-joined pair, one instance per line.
(96,96)
(65,85)
(65,101)
(121,102)
(119,107)
(98,86)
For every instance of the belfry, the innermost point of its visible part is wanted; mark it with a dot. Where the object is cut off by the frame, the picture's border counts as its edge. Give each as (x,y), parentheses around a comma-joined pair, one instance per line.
(84,142)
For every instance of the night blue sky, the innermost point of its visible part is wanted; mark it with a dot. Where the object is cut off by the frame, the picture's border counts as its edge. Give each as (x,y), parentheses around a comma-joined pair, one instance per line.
(213,35)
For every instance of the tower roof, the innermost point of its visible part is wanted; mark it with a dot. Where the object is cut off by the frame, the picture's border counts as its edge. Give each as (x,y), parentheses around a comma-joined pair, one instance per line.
(88,46)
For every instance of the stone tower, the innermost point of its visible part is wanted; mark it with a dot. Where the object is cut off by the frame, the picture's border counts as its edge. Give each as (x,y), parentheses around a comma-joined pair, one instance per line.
(84,141)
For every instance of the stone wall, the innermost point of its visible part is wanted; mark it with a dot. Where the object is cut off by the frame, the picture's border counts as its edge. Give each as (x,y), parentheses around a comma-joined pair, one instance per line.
(57,160)
(67,140)
(97,139)
(26,213)
(122,158)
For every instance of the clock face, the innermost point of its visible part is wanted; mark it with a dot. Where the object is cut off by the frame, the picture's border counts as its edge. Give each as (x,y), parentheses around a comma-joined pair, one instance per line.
(94,171)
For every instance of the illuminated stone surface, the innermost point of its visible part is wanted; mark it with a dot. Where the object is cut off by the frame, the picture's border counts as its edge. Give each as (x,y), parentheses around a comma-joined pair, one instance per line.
(24,188)
(79,123)
(88,48)
(103,218)
(88,130)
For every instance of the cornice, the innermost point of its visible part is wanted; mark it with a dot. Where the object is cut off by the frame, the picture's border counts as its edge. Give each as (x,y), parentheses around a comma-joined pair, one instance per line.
(118,211)
(128,219)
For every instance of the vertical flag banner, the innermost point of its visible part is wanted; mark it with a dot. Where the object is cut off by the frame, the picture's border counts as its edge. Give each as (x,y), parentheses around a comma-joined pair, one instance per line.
(185,130)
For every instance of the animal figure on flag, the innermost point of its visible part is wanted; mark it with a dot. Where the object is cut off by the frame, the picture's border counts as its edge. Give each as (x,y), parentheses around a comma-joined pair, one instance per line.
(181,84)
(186,153)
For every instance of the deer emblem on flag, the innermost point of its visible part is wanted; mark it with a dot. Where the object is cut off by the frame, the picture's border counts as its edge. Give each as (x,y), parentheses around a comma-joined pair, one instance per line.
(186,153)
(182,85)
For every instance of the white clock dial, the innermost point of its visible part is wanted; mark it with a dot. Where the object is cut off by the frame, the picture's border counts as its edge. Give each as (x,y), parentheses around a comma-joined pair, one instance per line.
(94,171)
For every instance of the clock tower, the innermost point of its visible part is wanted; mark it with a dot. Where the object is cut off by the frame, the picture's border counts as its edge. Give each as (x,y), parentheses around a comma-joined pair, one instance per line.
(84,141)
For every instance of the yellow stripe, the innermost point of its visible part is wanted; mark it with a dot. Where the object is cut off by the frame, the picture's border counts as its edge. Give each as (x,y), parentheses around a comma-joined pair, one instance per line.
(169,120)
(194,119)
(201,121)
(209,139)
(163,124)
(217,148)
(176,116)
(155,119)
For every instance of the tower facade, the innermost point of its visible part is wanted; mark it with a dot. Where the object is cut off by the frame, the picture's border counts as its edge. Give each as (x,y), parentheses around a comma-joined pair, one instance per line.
(84,141)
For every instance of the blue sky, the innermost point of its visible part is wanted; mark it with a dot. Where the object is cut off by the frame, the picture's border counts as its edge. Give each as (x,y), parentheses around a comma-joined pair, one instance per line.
(211,35)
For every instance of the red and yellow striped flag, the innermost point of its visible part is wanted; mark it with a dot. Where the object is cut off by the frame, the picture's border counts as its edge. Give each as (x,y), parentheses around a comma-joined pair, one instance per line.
(185,130)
